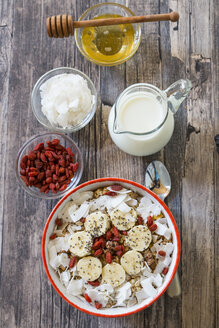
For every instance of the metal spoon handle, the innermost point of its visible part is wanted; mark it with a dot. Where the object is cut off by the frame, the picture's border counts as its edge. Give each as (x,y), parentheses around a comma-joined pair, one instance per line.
(174,289)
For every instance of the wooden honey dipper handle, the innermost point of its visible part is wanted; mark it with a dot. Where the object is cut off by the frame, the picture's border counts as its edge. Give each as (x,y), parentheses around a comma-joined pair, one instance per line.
(63,25)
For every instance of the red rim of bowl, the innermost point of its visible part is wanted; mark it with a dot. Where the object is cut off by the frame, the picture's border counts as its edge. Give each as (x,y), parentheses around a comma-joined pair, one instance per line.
(113,180)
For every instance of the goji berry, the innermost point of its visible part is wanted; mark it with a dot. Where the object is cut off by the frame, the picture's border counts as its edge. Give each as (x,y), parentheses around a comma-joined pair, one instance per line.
(119,253)
(53,236)
(110,193)
(162,253)
(140,220)
(153,227)
(94,283)
(98,252)
(150,221)
(98,305)
(97,245)
(165,270)
(109,234)
(108,257)
(115,231)
(72,262)
(58,222)
(88,299)
(116,187)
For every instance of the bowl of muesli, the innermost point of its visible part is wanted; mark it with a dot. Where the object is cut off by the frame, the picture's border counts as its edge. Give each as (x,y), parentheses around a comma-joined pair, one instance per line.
(110,247)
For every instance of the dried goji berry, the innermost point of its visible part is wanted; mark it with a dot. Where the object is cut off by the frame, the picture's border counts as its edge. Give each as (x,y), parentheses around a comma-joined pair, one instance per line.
(55,142)
(115,231)
(165,270)
(98,252)
(140,220)
(88,299)
(43,158)
(98,305)
(94,283)
(58,222)
(162,253)
(119,248)
(103,241)
(72,262)
(116,187)
(119,253)
(116,239)
(150,221)
(83,220)
(52,186)
(109,234)
(69,151)
(63,187)
(32,156)
(53,236)
(124,233)
(110,193)
(97,245)
(40,146)
(49,180)
(108,257)
(153,227)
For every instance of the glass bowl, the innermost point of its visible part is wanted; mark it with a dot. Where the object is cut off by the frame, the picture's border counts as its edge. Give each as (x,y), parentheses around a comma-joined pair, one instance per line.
(108,8)
(64,141)
(36,100)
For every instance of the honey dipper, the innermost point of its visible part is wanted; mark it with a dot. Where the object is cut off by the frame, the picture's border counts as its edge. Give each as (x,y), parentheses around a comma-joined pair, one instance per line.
(63,25)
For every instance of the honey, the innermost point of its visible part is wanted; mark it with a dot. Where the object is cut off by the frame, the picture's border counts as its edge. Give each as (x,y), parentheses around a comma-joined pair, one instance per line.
(108,44)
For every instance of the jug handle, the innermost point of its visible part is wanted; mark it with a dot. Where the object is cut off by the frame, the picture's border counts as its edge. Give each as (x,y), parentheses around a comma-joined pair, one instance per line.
(176,93)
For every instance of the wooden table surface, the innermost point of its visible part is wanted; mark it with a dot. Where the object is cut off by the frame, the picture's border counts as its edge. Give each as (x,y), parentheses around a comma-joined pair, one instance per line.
(165,54)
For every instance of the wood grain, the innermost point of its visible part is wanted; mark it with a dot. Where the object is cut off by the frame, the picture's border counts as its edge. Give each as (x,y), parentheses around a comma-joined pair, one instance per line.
(168,51)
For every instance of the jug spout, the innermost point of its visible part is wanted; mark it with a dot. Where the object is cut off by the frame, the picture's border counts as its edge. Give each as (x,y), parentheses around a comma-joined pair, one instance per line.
(176,93)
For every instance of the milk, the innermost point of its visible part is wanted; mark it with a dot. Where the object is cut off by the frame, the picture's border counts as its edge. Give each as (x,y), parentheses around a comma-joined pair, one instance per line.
(141,112)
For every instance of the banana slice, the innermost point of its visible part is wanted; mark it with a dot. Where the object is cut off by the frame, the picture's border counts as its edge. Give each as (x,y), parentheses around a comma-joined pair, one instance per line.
(123,221)
(139,238)
(97,223)
(113,274)
(132,262)
(80,243)
(89,268)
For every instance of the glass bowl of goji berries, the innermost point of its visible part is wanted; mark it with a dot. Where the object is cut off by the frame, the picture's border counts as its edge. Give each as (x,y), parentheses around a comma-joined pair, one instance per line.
(48,165)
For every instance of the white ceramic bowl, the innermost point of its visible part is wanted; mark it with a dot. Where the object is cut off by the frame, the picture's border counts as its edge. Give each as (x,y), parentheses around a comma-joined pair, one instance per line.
(86,307)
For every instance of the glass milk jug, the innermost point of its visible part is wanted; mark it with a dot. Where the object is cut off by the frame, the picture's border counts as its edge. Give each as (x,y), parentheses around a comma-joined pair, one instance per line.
(141,122)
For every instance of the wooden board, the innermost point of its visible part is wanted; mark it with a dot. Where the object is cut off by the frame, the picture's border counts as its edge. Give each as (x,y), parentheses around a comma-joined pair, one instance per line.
(167,52)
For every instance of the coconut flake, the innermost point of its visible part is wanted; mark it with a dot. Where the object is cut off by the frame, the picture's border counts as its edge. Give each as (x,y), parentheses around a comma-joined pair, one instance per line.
(75,287)
(65,277)
(148,287)
(73,228)
(81,212)
(123,294)
(141,295)
(114,202)
(61,243)
(132,202)
(81,197)
(66,99)
(163,230)
(159,268)
(122,191)
(124,208)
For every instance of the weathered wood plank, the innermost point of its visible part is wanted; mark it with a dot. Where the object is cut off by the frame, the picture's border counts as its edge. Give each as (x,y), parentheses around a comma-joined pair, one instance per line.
(27,298)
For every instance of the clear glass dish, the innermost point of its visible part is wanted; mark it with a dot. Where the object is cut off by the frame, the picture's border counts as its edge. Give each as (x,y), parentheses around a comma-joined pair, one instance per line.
(64,141)
(108,8)
(36,100)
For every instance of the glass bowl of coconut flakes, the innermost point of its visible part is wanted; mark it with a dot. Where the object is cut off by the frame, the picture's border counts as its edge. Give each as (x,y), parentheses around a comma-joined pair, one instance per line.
(64,100)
